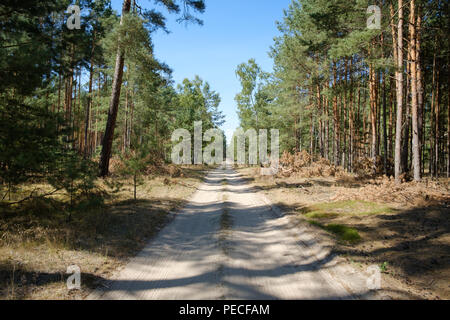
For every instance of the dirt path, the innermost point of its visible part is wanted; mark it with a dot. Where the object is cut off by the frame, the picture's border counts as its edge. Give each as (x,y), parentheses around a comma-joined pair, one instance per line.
(230,243)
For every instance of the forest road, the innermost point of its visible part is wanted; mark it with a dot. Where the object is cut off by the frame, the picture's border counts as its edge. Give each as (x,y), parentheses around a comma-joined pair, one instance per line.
(230,243)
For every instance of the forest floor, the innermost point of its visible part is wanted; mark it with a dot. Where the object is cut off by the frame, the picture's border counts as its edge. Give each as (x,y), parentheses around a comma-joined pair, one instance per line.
(38,242)
(405,230)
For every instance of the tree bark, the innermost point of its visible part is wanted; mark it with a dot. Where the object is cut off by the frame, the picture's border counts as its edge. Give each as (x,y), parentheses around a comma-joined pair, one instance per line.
(448,121)
(436,123)
(414,104)
(327,132)
(114,104)
(373,116)
(399,88)
(351,120)
(420,88)
(336,150)
(89,100)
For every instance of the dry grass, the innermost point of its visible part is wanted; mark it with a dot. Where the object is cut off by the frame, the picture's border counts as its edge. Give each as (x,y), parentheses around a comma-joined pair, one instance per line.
(38,241)
(383,189)
(405,228)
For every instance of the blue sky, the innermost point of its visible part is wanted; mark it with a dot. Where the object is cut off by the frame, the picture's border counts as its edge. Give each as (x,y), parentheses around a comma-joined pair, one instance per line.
(233,32)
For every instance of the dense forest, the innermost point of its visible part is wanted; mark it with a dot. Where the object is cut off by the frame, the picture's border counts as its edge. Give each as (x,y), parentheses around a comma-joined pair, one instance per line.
(349,93)
(71,99)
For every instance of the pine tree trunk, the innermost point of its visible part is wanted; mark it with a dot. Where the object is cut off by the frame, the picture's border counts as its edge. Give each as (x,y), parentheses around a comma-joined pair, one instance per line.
(420,89)
(130,126)
(79,130)
(125,131)
(358,132)
(135,186)
(391,121)
(448,121)
(59,91)
(96,114)
(436,123)
(89,100)
(114,104)
(433,118)
(319,108)
(344,116)
(385,138)
(414,103)
(384,123)
(373,116)
(399,88)
(335,119)
(327,131)
(351,124)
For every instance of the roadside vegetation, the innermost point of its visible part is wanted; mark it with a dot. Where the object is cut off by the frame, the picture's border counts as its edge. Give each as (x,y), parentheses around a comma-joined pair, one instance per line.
(86,118)
(404,229)
(98,231)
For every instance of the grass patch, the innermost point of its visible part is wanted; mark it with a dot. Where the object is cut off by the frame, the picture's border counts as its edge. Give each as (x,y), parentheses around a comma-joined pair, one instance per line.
(348,208)
(342,232)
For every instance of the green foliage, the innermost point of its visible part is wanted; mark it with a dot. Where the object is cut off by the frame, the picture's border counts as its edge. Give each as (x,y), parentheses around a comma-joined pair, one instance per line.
(73,174)
(197,102)
(29,141)
(254,97)
(135,163)
(384,267)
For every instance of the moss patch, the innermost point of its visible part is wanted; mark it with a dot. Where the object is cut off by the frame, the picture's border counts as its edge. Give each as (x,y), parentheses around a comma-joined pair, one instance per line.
(342,232)
(348,208)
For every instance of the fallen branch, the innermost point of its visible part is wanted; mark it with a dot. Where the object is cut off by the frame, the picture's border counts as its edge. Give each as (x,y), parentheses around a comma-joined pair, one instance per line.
(30,197)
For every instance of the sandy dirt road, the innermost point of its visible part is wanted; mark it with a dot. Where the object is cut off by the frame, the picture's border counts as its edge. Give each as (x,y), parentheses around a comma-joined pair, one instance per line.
(228,243)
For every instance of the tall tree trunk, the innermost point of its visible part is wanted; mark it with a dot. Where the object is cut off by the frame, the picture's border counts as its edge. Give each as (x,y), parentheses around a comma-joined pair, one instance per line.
(448,120)
(351,121)
(432,117)
(336,120)
(125,131)
(114,104)
(79,131)
(436,122)
(399,88)
(420,88)
(385,137)
(130,125)
(407,117)
(385,143)
(89,100)
(414,104)
(344,116)
(319,108)
(96,113)
(327,131)
(391,120)
(59,90)
(373,116)
(358,135)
